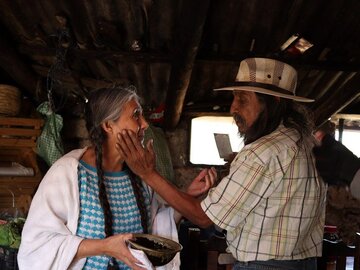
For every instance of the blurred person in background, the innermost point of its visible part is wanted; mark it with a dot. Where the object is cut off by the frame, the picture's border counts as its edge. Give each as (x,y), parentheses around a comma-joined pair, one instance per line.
(336,164)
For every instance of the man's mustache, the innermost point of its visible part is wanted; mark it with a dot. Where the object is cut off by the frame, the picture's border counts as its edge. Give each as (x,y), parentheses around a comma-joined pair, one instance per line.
(238,119)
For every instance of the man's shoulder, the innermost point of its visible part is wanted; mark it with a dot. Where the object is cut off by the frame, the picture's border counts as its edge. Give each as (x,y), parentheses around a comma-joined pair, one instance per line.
(274,144)
(277,140)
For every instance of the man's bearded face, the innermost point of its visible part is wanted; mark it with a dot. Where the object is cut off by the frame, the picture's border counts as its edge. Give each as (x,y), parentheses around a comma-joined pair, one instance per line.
(241,123)
(245,109)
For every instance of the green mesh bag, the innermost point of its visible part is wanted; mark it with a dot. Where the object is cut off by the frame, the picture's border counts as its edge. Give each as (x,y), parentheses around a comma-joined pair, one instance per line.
(49,144)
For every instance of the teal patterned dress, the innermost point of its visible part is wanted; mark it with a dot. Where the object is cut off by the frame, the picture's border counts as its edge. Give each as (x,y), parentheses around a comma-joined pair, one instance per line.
(126,215)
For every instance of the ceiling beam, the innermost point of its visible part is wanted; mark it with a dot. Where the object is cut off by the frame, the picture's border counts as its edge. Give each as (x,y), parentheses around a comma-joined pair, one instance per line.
(155,57)
(120,56)
(330,105)
(85,81)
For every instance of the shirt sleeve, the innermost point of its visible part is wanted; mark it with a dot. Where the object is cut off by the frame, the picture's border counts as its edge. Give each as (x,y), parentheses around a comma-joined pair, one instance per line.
(48,237)
(237,194)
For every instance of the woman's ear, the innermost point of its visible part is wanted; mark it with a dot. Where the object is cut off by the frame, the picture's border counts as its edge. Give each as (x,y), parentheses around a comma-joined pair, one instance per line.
(107,127)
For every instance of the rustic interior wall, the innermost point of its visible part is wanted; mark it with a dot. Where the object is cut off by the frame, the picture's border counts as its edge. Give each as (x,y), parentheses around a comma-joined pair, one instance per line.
(343,211)
(74,134)
(179,144)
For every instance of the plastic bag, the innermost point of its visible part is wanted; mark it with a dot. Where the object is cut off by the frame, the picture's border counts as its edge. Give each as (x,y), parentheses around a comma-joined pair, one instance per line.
(49,145)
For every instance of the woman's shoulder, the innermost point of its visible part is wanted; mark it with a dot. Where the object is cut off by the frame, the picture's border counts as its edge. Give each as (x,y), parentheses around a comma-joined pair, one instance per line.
(66,165)
(71,158)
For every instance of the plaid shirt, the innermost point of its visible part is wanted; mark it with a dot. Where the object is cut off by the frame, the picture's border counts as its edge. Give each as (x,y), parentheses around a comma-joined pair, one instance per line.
(272,202)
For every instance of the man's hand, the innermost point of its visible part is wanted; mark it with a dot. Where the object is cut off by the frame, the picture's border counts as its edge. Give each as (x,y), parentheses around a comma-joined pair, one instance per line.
(202,183)
(141,160)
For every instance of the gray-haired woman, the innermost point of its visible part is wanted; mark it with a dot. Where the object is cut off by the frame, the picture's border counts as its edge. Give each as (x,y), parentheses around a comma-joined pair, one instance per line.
(89,202)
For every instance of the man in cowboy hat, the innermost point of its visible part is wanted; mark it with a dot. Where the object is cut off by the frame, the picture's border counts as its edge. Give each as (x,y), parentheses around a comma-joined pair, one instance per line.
(272,202)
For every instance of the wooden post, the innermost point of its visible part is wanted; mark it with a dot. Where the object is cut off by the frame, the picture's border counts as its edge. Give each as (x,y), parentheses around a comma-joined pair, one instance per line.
(188,36)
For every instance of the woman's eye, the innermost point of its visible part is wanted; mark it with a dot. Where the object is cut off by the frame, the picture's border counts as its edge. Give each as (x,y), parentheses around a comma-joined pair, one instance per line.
(137,114)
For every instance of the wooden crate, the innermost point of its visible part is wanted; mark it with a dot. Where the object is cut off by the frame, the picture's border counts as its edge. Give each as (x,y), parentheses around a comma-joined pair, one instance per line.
(19,132)
(17,144)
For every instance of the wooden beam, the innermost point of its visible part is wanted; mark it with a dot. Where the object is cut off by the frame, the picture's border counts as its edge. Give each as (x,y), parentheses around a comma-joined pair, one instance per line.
(85,81)
(155,57)
(120,56)
(325,108)
(18,70)
(187,40)
(198,114)
(346,116)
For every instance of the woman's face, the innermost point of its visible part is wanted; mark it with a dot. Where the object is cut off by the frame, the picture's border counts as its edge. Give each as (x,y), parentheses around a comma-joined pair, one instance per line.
(131,118)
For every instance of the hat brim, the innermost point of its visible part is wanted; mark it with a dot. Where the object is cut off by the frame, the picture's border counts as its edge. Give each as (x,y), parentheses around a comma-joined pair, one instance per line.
(264,91)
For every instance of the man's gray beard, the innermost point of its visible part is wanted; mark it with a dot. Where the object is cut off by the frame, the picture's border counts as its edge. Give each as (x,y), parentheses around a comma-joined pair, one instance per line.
(241,135)
(238,119)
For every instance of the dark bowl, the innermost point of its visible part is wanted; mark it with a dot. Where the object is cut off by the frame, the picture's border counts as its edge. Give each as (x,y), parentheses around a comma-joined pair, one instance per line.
(159,250)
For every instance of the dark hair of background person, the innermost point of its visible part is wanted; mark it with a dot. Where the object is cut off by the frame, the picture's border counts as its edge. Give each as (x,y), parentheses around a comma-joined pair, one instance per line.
(277,111)
(327,127)
(106,105)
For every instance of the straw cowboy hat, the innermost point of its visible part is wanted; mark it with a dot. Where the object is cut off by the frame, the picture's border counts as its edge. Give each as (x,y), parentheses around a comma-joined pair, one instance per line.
(266,76)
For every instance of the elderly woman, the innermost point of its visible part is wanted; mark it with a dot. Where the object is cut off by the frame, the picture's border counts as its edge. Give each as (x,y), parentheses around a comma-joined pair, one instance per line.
(89,202)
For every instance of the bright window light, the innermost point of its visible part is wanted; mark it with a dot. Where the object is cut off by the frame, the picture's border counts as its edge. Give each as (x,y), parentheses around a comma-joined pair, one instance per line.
(203,149)
(351,139)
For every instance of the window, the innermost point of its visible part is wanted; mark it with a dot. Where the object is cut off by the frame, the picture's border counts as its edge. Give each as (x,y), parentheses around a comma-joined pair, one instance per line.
(203,149)
(351,139)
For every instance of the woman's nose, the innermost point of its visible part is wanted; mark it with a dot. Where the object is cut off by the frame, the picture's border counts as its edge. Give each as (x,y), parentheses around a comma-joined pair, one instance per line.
(143,123)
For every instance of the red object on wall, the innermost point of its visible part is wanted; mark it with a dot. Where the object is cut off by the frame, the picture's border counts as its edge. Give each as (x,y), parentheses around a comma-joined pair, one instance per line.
(157,115)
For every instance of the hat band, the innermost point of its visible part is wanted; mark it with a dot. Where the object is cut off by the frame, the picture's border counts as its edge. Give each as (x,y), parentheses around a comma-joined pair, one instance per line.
(263,85)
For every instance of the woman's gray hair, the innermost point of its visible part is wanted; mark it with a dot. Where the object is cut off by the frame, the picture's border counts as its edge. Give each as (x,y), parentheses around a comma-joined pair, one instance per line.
(106,104)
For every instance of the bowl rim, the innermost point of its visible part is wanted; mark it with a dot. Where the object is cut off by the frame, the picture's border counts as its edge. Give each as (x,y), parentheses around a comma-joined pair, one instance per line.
(152,236)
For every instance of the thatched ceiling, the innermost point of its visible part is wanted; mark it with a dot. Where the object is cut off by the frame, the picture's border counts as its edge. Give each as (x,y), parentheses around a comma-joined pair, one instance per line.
(175,52)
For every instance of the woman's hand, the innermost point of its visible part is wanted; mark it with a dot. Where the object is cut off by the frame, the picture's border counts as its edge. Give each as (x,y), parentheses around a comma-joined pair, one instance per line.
(202,183)
(116,246)
(141,160)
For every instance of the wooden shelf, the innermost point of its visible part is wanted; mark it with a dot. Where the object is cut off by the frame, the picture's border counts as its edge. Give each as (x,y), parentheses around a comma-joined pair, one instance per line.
(17,144)
(19,132)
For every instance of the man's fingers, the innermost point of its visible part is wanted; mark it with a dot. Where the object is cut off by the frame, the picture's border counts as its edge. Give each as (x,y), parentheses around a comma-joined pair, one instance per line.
(150,146)
(134,140)
(125,143)
(213,172)
(120,150)
(202,174)
(127,136)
